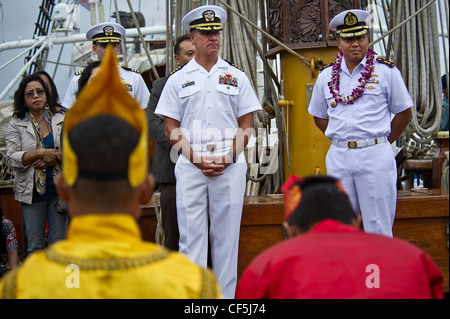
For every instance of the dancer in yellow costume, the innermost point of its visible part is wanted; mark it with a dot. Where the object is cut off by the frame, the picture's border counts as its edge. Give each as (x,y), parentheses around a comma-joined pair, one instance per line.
(104,181)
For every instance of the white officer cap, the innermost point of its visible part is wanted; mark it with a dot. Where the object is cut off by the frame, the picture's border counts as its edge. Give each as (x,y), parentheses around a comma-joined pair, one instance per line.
(204,18)
(106,32)
(350,23)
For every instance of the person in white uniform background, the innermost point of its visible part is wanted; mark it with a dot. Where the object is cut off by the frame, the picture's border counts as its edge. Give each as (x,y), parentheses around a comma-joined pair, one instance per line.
(101,35)
(208,107)
(362,105)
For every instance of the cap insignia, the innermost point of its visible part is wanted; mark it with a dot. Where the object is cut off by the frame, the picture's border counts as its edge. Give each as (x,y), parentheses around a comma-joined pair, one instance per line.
(108,30)
(350,19)
(209,15)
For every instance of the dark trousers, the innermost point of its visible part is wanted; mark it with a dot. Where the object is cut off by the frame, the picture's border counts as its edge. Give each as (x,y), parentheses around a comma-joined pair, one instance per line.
(169,215)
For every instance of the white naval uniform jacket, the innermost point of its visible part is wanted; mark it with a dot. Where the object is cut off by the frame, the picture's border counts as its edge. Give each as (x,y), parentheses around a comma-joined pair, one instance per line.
(369,174)
(132,81)
(208,104)
(370,115)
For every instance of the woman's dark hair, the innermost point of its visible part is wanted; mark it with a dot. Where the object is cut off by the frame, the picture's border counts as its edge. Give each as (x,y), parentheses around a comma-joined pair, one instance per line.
(54,96)
(84,77)
(19,96)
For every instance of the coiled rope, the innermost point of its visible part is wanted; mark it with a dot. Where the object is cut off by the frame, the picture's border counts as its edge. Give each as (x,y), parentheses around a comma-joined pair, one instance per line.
(445,176)
(416,49)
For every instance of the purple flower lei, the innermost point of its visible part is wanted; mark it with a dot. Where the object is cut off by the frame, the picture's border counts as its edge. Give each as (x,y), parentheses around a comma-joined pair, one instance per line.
(359,90)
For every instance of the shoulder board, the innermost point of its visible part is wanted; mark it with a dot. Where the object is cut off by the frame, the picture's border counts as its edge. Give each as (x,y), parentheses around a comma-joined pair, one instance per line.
(130,69)
(79,72)
(387,62)
(177,69)
(232,64)
(326,66)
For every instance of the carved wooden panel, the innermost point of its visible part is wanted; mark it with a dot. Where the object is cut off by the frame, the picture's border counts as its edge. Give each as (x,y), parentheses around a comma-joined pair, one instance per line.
(304,23)
(275,17)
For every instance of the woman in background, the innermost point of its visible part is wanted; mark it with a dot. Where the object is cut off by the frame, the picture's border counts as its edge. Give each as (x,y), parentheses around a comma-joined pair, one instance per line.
(33,153)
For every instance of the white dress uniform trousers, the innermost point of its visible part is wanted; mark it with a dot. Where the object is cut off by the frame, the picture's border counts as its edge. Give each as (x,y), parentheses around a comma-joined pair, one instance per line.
(207,105)
(215,201)
(367,172)
(369,176)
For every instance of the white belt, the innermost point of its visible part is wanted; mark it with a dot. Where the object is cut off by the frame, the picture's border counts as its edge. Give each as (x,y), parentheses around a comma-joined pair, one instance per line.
(361,143)
(216,148)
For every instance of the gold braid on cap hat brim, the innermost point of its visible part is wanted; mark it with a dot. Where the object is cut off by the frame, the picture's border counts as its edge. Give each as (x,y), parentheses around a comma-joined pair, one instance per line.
(105,94)
(107,39)
(207,26)
(344,33)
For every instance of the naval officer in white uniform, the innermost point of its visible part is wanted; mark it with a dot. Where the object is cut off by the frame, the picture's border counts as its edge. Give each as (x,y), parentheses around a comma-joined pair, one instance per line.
(101,35)
(353,102)
(208,107)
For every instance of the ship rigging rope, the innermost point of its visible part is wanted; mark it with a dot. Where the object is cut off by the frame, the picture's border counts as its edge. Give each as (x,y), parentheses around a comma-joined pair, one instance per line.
(299,56)
(444,179)
(238,31)
(416,48)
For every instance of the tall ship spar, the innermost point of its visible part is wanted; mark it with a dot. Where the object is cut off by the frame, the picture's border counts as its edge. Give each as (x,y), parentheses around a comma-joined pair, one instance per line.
(286,44)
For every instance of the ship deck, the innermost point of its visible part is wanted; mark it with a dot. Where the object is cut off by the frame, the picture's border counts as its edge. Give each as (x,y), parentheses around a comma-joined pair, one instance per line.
(422,218)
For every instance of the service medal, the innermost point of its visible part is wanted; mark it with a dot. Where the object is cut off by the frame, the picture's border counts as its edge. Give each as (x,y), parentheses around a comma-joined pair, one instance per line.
(333,103)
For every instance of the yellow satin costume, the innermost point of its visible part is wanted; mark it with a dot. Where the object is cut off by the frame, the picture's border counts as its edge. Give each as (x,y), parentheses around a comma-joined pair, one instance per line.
(105,256)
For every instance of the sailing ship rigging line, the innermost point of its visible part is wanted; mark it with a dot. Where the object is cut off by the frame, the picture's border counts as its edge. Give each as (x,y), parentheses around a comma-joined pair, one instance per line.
(122,41)
(81,37)
(52,39)
(147,52)
(422,84)
(23,52)
(401,24)
(426,114)
(22,71)
(271,179)
(299,56)
(417,53)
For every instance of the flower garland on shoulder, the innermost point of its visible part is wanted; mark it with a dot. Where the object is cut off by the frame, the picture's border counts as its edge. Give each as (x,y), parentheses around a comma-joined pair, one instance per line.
(359,90)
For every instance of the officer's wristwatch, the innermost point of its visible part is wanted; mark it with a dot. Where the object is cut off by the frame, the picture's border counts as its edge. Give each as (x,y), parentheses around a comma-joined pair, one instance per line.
(233,156)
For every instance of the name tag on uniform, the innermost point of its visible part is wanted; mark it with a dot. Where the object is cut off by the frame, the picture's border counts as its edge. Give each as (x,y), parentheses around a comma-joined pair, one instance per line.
(188,83)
